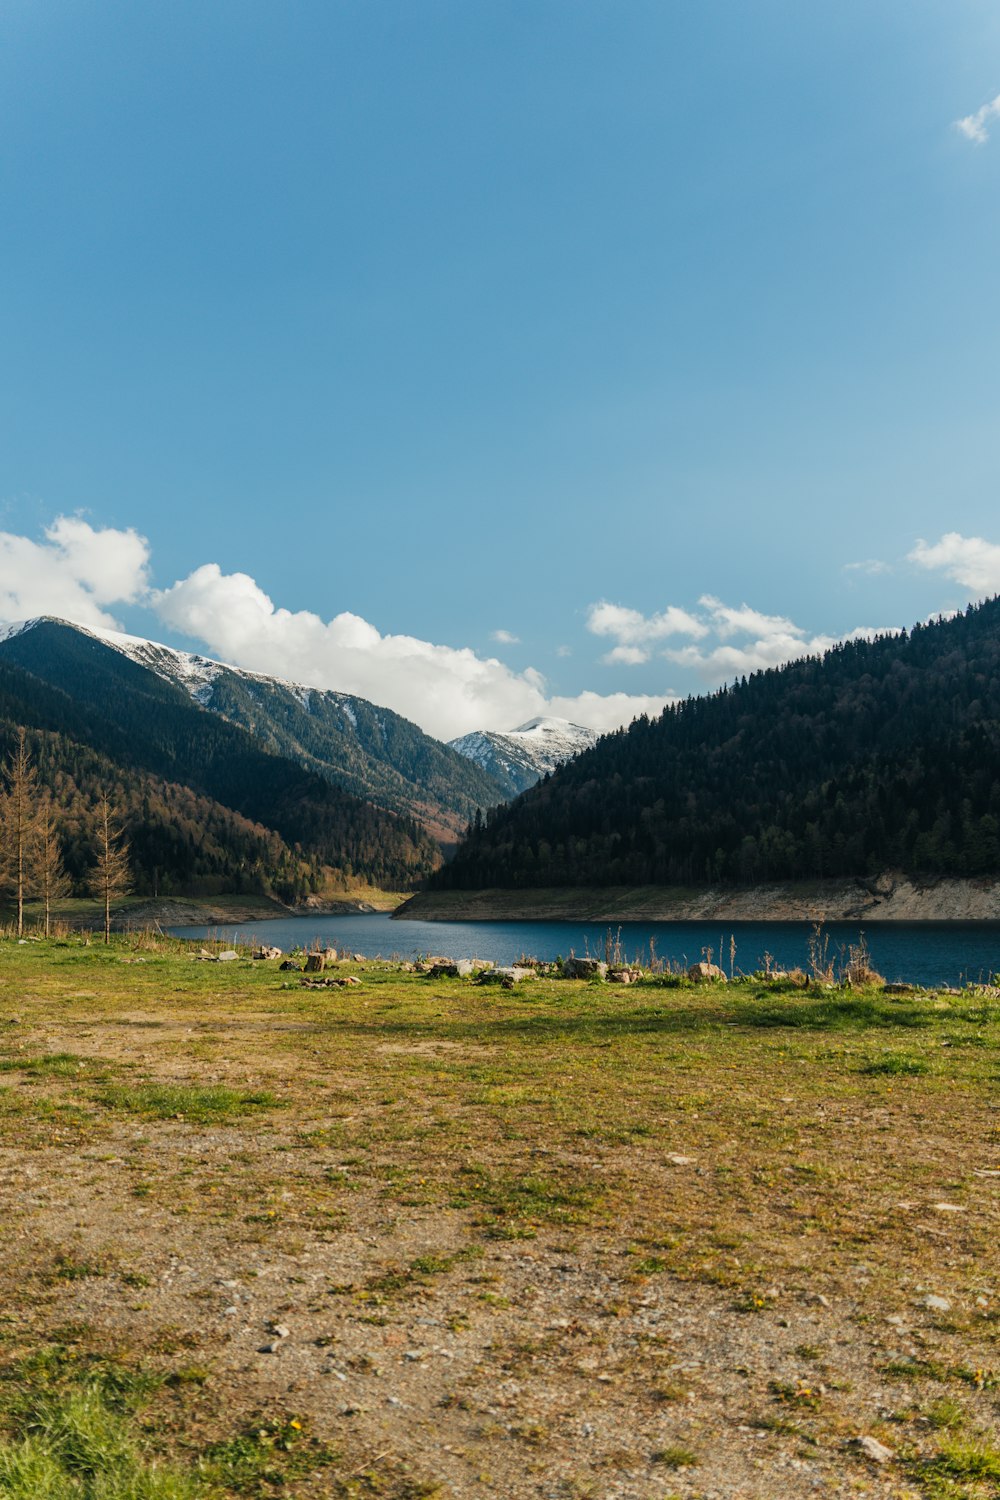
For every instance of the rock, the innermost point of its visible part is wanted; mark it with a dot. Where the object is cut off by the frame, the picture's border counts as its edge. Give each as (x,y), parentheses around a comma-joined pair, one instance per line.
(270,1348)
(228,956)
(584,968)
(289,967)
(680,1161)
(900,989)
(937,1304)
(949,1208)
(350,979)
(280,1331)
(624,976)
(702,973)
(266,952)
(818,1300)
(458,968)
(330,954)
(358,958)
(505,975)
(315,963)
(873,1449)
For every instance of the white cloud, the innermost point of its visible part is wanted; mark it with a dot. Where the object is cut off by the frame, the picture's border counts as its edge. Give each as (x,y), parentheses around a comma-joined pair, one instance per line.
(625,656)
(973,127)
(630,628)
(969,560)
(873,566)
(76,571)
(505,638)
(743,639)
(447,690)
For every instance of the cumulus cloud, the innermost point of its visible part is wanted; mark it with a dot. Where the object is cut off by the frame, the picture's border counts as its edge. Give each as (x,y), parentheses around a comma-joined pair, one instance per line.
(505,638)
(969,560)
(973,127)
(734,639)
(74,572)
(447,690)
(635,634)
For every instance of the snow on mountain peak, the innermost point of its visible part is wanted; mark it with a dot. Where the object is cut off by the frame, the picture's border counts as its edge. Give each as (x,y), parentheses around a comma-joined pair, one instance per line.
(522,756)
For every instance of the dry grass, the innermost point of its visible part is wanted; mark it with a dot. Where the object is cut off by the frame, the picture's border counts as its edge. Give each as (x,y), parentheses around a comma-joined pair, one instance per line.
(523,1243)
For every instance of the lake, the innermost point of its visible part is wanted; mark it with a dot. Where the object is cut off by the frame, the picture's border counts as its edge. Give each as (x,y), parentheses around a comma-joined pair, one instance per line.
(932,953)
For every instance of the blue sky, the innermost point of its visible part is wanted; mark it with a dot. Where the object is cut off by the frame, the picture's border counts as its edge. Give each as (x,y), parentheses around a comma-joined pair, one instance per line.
(443,320)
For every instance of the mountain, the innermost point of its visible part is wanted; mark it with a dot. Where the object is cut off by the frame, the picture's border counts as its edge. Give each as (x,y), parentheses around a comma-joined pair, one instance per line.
(518,759)
(881,754)
(208,806)
(371,752)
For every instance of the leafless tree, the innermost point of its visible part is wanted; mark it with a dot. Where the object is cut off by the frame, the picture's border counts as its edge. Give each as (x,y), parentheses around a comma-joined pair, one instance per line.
(112,875)
(19,811)
(53,882)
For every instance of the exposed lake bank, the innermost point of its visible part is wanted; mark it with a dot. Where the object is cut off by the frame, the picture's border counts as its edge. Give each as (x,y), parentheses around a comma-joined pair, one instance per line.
(890,897)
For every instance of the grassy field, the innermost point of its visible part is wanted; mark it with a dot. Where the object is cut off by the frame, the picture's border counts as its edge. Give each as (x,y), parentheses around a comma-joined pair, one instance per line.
(419,1237)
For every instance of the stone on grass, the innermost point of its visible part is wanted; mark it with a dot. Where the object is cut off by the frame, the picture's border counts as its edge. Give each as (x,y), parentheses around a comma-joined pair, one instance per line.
(873,1449)
(452,968)
(702,973)
(315,963)
(584,968)
(267,951)
(228,956)
(937,1304)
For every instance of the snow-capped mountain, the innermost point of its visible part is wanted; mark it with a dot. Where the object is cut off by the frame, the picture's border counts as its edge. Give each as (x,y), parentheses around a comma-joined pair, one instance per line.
(524,755)
(369,751)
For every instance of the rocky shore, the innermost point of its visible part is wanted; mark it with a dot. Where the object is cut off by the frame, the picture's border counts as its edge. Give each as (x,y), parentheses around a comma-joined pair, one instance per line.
(891,897)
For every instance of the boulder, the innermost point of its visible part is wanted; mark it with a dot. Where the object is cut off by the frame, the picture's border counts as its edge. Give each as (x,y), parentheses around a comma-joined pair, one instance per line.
(315,963)
(506,975)
(330,954)
(624,976)
(265,952)
(584,968)
(458,968)
(703,973)
(290,967)
(227,957)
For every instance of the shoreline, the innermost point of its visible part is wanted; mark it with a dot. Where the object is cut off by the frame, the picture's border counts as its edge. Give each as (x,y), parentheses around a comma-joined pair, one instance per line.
(891,897)
(140,913)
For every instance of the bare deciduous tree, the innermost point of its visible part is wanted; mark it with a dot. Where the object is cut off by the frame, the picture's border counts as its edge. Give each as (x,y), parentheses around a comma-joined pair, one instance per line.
(53,882)
(19,808)
(112,875)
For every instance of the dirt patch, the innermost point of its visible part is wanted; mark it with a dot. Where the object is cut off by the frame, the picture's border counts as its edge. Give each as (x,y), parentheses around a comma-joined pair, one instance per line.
(568,1242)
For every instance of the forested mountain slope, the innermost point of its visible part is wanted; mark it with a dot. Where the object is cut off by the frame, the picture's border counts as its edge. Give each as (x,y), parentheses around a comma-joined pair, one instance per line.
(881,754)
(373,753)
(203,801)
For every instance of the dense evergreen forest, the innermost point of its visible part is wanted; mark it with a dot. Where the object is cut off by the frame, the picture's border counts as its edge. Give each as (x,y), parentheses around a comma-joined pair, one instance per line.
(205,808)
(881,754)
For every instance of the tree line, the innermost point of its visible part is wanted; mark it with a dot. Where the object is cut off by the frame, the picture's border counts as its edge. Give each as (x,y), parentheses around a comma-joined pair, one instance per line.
(31,854)
(881,754)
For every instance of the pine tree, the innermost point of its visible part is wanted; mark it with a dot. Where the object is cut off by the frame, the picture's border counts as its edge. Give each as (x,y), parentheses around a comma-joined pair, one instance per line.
(112,875)
(53,881)
(19,811)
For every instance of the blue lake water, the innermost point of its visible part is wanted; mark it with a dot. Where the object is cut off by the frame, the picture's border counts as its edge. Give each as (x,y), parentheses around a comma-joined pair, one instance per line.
(933,953)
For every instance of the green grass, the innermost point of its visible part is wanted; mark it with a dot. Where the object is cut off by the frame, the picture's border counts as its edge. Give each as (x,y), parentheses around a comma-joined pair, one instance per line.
(73,1445)
(164,1101)
(675,1457)
(50,1065)
(265,1458)
(896,1064)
